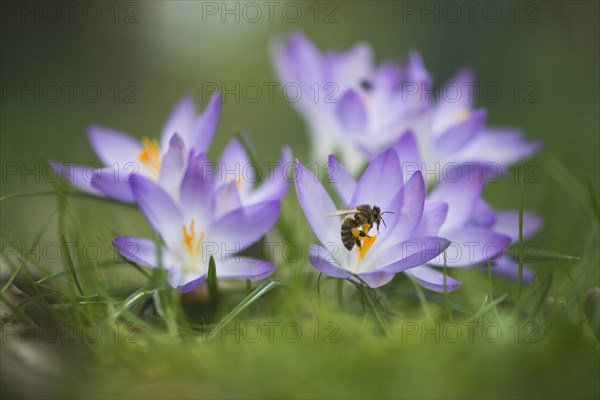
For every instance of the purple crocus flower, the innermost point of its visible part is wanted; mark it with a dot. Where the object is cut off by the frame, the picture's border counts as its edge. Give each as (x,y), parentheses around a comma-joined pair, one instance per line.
(198,226)
(478,233)
(454,131)
(161,160)
(237,177)
(356,110)
(350,106)
(399,245)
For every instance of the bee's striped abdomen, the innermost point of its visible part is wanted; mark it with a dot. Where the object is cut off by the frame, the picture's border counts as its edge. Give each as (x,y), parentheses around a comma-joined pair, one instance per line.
(348,238)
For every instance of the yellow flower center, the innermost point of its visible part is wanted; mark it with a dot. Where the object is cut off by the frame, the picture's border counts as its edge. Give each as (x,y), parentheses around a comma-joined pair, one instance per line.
(366,244)
(189,237)
(462,116)
(150,156)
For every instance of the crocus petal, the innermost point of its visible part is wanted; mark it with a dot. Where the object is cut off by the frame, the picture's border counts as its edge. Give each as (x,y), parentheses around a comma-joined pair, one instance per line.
(205,125)
(185,282)
(113,147)
(138,250)
(483,215)
(433,279)
(388,75)
(277,183)
(245,225)
(415,70)
(434,215)
(303,58)
(500,146)
(172,166)
(235,164)
(408,153)
(472,245)
(343,183)
(507,222)
(160,210)
(408,211)
(239,267)
(412,253)
(325,262)
(461,189)
(457,136)
(375,279)
(76,175)
(180,121)
(227,199)
(380,183)
(455,101)
(316,204)
(350,66)
(509,269)
(114,184)
(197,188)
(351,113)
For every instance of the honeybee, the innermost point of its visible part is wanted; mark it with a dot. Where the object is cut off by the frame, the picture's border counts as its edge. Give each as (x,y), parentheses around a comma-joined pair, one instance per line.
(358,225)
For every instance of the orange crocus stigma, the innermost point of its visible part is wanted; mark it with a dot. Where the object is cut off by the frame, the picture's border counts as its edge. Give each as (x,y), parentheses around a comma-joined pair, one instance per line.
(189,237)
(150,156)
(366,242)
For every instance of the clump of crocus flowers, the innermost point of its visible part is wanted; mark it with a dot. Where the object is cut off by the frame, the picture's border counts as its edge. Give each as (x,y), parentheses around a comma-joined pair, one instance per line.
(376,120)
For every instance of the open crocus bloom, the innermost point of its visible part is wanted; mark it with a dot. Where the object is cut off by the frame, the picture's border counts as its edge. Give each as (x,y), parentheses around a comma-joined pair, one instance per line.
(398,246)
(453,131)
(192,230)
(356,110)
(349,105)
(478,233)
(163,160)
(237,177)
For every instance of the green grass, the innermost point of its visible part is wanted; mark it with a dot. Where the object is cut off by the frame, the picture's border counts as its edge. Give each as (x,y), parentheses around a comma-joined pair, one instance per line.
(534,340)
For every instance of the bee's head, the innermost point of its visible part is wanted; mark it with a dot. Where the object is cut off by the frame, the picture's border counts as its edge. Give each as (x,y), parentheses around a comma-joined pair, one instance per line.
(376,213)
(377,216)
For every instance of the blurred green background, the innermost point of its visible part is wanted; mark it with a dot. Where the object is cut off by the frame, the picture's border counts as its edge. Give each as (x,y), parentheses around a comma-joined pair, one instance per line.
(156,51)
(163,50)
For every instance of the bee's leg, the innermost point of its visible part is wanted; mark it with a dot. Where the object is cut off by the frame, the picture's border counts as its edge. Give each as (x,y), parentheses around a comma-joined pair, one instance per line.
(366,227)
(358,235)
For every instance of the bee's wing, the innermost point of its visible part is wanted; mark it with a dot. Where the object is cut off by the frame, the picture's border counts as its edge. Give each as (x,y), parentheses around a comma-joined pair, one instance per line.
(341,212)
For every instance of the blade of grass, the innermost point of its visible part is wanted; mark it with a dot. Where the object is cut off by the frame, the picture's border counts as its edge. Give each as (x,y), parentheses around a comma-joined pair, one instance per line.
(521,190)
(491,288)
(213,289)
(137,296)
(365,291)
(260,291)
(542,255)
(70,266)
(446,292)
(486,307)
(422,299)
(543,297)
